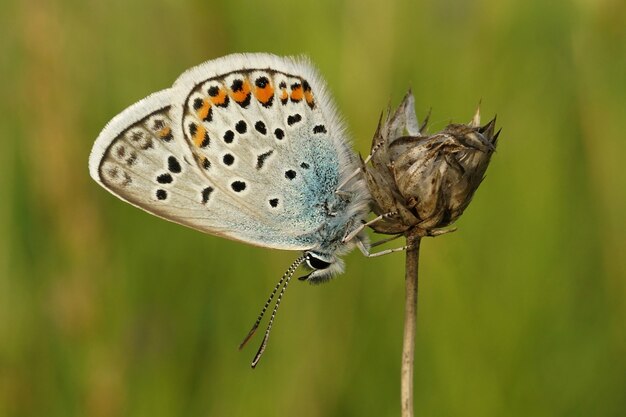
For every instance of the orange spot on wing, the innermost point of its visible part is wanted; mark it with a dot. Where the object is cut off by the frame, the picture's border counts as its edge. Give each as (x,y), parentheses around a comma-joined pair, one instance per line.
(242,94)
(284,95)
(297,93)
(220,98)
(198,137)
(203,111)
(264,94)
(165,131)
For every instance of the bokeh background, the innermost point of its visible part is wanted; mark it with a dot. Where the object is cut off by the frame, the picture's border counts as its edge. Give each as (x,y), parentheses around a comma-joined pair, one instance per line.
(107,311)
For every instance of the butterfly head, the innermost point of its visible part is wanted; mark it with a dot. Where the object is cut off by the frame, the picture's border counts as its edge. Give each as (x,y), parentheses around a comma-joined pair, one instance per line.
(325,263)
(323,266)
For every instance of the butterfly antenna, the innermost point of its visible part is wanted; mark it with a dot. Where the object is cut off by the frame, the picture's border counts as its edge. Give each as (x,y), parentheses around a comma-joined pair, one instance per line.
(293,267)
(258,320)
(286,278)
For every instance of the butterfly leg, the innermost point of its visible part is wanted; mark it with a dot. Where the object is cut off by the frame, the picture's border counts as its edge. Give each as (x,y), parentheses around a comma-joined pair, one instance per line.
(382,242)
(367,253)
(362,226)
(360,169)
(347,180)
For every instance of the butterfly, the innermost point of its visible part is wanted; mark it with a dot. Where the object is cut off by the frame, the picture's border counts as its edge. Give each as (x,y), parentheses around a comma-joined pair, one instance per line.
(248,147)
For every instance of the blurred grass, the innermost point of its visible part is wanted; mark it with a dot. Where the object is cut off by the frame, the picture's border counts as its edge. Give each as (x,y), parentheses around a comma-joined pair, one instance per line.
(521,312)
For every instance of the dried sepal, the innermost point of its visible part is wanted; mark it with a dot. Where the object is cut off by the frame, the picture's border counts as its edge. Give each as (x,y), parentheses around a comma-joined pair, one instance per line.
(425,181)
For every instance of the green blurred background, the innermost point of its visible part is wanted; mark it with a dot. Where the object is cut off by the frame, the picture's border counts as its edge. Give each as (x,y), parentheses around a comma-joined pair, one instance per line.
(522,312)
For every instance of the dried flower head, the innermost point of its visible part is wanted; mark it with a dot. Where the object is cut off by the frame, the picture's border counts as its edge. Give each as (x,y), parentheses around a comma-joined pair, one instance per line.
(425,182)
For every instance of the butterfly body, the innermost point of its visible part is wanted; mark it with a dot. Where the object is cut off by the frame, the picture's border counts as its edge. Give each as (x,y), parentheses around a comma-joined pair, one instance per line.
(247,147)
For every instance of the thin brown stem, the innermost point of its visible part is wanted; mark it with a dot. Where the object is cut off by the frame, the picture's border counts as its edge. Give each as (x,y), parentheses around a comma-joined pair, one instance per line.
(410,320)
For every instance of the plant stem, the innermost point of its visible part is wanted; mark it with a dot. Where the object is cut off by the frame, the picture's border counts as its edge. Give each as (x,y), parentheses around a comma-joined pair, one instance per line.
(410,319)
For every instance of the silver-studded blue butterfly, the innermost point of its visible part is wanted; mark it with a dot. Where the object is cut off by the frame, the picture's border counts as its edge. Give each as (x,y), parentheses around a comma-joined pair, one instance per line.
(248,147)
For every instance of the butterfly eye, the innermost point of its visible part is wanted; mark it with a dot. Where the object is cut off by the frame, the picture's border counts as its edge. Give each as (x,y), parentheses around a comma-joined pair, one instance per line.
(316,263)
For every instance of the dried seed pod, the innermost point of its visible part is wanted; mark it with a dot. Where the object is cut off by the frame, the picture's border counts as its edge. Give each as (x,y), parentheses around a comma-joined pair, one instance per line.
(425,181)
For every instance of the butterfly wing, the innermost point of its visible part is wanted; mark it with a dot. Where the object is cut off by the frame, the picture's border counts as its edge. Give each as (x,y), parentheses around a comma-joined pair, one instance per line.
(140,157)
(246,147)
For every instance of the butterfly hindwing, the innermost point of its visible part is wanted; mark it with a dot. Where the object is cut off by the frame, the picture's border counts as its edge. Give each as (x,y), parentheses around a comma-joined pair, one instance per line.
(140,157)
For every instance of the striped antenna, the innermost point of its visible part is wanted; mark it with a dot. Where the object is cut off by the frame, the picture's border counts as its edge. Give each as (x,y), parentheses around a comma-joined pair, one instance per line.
(285,279)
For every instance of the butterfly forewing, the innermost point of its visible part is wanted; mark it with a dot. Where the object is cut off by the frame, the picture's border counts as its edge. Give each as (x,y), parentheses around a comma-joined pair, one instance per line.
(263,143)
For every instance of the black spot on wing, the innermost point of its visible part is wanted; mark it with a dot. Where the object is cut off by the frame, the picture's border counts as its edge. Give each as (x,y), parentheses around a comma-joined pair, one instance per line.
(136,136)
(206,141)
(260,160)
(132,158)
(161,194)
(127,180)
(238,186)
(206,193)
(147,144)
(237,85)
(164,178)
(113,173)
(228,159)
(260,127)
(193,128)
(173,165)
(319,129)
(229,135)
(293,119)
(158,124)
(241,126)
(209,115)
(213,91)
